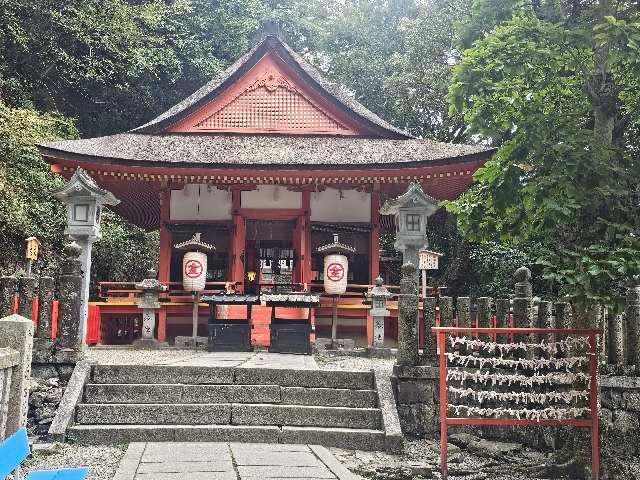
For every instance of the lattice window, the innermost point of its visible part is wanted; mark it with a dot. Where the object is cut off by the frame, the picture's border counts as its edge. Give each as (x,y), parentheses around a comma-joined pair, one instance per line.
(279,109)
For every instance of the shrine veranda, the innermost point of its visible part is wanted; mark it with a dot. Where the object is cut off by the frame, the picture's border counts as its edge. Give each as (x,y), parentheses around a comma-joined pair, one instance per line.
(267,162)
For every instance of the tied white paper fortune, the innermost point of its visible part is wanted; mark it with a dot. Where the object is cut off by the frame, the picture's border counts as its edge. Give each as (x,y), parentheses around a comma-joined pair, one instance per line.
(522,363)
(549,413)
(481,396)
(537,379)
(551,348)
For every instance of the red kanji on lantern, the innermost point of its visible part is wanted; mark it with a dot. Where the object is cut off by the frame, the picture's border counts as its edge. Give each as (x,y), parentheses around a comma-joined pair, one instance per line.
(193,269)
(335,272)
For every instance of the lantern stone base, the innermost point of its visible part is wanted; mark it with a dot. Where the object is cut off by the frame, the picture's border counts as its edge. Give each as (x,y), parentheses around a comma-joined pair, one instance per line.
(380,352)
(187,342)
(339,344)
(148,344)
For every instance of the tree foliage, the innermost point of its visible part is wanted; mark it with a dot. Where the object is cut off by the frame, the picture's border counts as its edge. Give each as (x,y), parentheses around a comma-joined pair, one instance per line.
(114,64)
(26,207)
(565,174)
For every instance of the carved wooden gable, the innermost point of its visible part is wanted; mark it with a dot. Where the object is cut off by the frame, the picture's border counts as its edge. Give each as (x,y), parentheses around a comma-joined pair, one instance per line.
(269,98)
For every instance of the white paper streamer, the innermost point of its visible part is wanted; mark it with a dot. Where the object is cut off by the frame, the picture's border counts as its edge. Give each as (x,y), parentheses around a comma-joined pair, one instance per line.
(537,379)
(551,348)
(549,413)
(542,398)
(522,363)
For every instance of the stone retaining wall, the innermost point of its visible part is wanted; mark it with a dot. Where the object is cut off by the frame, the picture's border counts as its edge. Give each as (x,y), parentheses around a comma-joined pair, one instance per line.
(416,390)
(620,414)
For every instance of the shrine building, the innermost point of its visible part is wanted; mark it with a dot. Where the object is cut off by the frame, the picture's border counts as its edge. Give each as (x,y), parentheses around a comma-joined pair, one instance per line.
(266,161)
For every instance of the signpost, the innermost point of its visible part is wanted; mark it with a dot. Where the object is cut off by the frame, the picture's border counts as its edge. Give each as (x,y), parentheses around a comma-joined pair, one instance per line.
(427,260)
(31,254)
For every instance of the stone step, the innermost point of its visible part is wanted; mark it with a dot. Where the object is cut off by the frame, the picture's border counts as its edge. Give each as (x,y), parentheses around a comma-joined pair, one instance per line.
(153,414)
(329,397)
(115,434)
(162,374)
(223,414)
(352,380)
(302,415)
(179,393)
(194,375)
(361,439)
(349,438)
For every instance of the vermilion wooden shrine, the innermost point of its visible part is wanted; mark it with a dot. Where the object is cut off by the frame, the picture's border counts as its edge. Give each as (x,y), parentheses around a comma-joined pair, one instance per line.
(267,161)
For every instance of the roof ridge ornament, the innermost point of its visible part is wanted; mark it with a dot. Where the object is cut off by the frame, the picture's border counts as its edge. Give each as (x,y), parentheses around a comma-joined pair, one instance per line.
(195,244)
(271,80)
(336,247)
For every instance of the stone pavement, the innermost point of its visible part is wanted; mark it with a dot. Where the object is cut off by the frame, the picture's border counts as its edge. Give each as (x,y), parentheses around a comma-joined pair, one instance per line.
(171,356)
(229,461)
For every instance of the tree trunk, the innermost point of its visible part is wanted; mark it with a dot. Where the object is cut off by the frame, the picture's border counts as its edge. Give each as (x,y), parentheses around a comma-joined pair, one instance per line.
(601,87)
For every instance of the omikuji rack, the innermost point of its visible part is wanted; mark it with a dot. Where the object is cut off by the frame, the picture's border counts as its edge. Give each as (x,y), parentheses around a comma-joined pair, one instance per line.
(591,422)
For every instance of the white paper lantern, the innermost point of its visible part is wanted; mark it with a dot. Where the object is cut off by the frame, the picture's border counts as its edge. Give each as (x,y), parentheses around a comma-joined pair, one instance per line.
(194,271)
(336,268)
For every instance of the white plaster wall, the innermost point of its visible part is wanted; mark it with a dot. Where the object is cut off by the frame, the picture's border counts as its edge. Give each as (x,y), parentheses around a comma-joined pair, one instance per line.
(327,206)
(200,202)
(271,196)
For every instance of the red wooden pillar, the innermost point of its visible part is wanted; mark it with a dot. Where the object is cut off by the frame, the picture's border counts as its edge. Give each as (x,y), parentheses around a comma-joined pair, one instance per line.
(374,237)
(164,260)
(238,239)
(302,240)
(374,250)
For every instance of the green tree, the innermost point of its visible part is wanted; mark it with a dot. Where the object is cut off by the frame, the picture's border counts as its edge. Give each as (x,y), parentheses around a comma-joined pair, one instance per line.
(26,207)
(114,64)
(395,56)
(557,98)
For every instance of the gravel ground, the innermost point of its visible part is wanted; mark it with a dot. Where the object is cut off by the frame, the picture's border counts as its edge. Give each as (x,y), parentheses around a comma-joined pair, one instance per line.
(102,460)
(330,361)
(123,355)
(422,457)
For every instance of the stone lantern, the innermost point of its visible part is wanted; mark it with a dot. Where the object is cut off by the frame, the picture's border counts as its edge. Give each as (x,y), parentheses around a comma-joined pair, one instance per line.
(411,210)
(149,303)
(84,201)
(378,297)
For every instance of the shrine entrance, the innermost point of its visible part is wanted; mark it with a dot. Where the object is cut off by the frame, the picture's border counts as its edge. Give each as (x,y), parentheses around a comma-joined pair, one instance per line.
(270,258)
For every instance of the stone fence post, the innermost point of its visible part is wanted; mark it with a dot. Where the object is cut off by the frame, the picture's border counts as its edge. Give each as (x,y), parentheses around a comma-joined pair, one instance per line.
(26,293)
(463,307)
(615,328)
(429,315)
(44,308)
(8,288)
(503,307)
(70,331)
(484,316)
(523,303)
(632,312)
(408,317)
(16,333)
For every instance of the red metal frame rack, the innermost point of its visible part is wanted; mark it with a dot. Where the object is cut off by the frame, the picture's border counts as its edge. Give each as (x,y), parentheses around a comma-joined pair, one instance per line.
(591,422)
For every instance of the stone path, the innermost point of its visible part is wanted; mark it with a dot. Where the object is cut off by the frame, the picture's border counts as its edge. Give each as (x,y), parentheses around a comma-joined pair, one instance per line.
(192,358)
(229,461)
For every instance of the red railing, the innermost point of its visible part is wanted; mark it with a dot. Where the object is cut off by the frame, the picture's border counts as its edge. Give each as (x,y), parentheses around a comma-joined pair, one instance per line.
(591,422)
(126,291)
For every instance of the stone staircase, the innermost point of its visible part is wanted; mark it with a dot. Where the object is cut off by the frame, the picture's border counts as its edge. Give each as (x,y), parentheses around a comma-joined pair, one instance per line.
(137,403)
